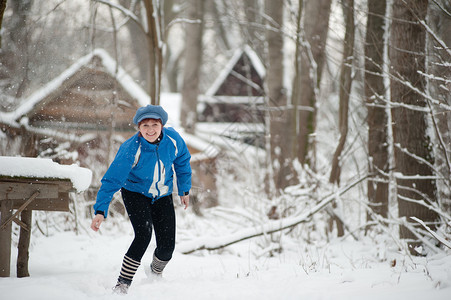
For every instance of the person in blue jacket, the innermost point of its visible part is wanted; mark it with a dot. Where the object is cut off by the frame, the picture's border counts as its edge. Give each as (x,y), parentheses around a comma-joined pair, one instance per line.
(143,170)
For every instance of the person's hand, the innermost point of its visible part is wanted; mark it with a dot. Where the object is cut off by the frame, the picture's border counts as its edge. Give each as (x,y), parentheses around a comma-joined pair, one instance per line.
(96,221)
(185,200)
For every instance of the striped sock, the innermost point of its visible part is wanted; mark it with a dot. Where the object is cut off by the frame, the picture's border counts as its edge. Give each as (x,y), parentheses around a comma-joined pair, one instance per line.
(128,270)
(157,265)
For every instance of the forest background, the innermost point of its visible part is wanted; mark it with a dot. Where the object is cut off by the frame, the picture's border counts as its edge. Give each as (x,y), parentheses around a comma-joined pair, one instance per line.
(357,103)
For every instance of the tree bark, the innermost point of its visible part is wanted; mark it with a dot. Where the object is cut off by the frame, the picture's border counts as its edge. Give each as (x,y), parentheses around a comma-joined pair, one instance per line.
(155,51)
(140,49)
(193,61)
(439,21)
(281,135)
(296,88)
(29,143)
(345,88)
(316,26)
(2,11)
(6,211)
(221,25)
(413,149)
(20,37)
(171,59)
(344,94)
(252,32)
(377,117)
(24,244)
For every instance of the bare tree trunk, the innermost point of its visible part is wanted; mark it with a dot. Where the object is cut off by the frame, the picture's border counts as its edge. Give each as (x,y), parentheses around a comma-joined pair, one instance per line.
(220,28)
(2,11)
(377,116)
(156,55)
(29,143)
(190,92)
(171,61)
(296,89)
(24,244)
(345,88)
(281,136)
(6,211)
(140,44)
(439,20)
(316,22)
(29,149)
(253,34)
(413,150)
(193,60)
(344,94)
(20,38)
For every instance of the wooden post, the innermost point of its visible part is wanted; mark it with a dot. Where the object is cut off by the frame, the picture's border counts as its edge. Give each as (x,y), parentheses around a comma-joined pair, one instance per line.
(24,243)
(5,238)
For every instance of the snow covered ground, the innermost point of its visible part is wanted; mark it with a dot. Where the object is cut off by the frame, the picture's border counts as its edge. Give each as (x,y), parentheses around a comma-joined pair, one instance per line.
(85,266)
(66,265)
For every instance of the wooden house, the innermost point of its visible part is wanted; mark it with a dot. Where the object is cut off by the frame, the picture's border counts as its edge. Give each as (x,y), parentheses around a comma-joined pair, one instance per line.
(84,114)
(91,96)
(233,105)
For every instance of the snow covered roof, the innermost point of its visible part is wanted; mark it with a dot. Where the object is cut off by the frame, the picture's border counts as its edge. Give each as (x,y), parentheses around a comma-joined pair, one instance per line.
(231,99)
(255,62)
(171,102)
(110,65)
(209,138)
(45,168)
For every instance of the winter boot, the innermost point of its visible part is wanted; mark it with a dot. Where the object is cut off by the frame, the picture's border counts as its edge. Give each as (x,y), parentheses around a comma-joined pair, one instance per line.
(121,287)
(128,270)
(156,268)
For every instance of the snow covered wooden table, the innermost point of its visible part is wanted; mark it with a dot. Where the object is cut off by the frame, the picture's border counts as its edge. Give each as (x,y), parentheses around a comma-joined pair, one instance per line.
(28,184)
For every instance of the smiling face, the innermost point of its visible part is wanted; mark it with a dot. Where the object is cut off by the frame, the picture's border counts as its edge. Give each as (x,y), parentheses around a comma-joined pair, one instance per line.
(150,129)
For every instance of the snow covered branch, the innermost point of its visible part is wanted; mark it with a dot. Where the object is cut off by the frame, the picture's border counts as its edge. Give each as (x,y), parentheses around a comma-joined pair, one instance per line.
(408,84)
(215,243)
(435,235)
(436,38)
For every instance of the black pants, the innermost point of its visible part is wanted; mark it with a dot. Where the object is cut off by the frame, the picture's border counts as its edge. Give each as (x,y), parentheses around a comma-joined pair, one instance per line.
(143,214)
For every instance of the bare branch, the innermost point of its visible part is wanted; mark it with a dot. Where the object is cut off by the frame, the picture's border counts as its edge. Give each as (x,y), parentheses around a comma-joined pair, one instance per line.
(125,11)
(215,243)
(436,38)
(435,235)
(442,8)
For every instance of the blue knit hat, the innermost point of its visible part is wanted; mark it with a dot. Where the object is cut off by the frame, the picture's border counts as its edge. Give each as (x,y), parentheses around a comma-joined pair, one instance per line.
(150,112)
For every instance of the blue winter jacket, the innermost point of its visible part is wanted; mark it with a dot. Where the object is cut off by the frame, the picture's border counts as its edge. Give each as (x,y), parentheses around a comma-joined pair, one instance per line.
(146,168)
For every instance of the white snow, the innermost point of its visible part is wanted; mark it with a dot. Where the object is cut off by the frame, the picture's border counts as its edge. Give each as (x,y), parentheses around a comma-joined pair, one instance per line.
(66,265)
(69,266)
(171,102)
(45,168)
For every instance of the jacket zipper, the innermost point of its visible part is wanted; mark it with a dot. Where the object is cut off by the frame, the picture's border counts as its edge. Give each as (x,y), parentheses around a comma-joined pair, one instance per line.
(159,171)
